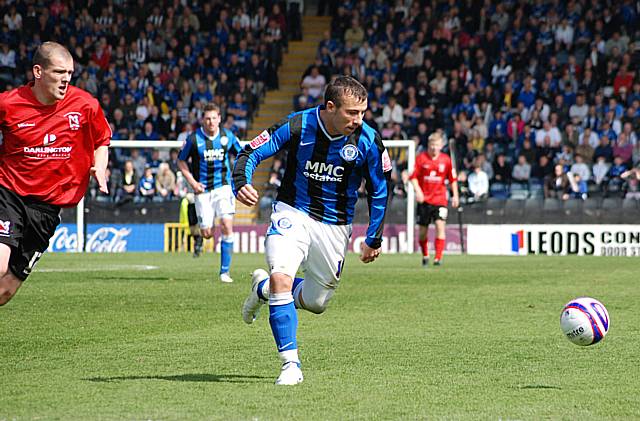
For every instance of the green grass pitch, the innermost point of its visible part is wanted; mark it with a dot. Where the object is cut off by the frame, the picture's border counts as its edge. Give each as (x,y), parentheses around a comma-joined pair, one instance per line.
(109,337)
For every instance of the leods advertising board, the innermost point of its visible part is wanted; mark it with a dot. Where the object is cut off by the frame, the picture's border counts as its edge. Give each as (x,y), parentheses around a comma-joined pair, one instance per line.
(554,240)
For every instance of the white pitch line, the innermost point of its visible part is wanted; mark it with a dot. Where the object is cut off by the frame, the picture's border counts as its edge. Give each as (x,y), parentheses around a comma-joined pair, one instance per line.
(101,268)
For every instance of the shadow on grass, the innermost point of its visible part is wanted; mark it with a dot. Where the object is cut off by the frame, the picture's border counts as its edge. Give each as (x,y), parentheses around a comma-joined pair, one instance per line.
(539,386)
(223,378)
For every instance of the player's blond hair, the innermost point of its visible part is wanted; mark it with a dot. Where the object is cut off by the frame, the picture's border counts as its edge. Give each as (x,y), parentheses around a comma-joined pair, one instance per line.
(435,137)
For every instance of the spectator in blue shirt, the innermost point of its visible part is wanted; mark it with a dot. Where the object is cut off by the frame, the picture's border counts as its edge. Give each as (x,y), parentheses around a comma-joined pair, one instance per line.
(528,93)
(240,111)
(147,185)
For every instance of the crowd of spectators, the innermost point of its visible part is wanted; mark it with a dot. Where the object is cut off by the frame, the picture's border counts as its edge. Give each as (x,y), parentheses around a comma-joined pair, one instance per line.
(540,98)
(153,65)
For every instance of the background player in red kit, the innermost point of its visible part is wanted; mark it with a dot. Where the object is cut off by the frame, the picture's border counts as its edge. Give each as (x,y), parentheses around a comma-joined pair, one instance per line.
(54,136)
(431,171)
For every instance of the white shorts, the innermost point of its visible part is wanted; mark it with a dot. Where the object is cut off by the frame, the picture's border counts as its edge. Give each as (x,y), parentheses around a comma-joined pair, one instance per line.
(295,240)
(217,203)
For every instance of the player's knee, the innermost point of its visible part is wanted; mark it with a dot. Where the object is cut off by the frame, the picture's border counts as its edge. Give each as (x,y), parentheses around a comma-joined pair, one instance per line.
(5,296)
(7,289)
(316,306)
(280,282)
(206,233)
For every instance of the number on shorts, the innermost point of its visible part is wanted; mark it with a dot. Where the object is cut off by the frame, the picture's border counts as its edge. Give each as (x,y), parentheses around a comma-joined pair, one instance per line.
(340,267)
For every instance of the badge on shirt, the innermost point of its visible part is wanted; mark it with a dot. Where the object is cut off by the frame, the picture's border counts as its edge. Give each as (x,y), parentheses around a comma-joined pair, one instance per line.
(224,140)
(5,226)
(349,153)
(74,120)
(386,161)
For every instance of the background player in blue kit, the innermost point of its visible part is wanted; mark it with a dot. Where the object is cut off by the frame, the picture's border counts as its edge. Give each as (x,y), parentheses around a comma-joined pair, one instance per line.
(210,148)
(330,151)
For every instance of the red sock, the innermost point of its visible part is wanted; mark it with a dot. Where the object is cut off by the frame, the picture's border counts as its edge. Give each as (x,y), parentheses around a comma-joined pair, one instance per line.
(424,245)
(439,248)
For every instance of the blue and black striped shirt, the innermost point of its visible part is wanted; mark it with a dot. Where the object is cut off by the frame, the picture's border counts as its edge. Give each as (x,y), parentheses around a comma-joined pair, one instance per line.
(323,173)
(211,161)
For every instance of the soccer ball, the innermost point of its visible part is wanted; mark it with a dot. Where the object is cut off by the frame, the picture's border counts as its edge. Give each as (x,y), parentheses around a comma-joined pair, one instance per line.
(585,321)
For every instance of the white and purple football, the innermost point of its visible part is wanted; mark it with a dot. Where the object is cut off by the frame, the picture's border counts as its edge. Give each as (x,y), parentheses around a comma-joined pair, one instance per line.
(584,321)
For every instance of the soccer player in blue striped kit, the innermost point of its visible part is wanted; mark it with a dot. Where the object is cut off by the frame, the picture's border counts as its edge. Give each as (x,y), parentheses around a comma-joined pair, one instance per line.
(210,148)
(330,151)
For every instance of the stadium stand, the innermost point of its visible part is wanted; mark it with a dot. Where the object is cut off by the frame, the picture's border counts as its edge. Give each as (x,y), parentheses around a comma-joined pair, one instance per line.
(494,75)
(537,79)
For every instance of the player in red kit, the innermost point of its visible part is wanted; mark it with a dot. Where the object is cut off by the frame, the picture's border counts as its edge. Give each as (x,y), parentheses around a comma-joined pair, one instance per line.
(54,136)
(432,169)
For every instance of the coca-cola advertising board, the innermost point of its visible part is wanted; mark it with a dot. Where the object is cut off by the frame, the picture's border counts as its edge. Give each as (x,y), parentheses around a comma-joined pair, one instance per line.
(113,238)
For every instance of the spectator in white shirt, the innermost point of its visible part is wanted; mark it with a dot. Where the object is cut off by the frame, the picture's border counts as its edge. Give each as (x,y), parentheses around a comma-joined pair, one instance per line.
(578,111)
(580,168)
(392,112)
(522,170)
(478,183)
(600,170)
(564,33)
(13,20)
(552,132)
(315,82)
(542,109)
(7,57)
(592,138)
(500,71)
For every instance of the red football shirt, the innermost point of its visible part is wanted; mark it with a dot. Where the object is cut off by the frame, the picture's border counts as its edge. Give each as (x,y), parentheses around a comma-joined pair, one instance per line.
(47,150)
(431,174)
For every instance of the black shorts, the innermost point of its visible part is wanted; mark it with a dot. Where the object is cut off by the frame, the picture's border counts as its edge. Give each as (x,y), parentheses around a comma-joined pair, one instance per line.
(192,215)
(428,213)
(26,226)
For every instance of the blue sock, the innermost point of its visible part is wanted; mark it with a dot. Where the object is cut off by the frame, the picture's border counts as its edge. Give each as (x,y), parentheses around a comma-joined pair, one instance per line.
(260,287)
(226,251)
(296,282)
(296,290)
(283,319)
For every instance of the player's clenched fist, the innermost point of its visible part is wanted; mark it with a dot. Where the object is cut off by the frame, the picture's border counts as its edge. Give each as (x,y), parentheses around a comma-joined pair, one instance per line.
(368,254)
(248,195)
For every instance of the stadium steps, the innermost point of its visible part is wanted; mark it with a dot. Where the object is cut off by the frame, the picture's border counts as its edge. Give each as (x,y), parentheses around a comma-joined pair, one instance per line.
(244,214)
(279,103)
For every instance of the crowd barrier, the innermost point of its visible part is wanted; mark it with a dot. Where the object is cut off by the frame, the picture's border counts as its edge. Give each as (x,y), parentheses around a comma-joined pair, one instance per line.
(498,239)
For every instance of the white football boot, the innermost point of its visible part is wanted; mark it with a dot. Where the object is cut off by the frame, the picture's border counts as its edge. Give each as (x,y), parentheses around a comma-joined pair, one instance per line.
(225,278)
(253,303)
(290,374)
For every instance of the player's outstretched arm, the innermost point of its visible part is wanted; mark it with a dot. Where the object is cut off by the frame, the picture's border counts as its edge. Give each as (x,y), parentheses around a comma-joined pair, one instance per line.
(263,146)
(99,169)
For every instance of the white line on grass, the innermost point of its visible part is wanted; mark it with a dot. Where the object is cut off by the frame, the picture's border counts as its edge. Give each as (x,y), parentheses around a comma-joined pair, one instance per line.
(101,268)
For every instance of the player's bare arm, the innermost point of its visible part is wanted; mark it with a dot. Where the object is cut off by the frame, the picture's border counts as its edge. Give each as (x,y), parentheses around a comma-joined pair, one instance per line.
(418,190)
(248,195)
(184,168)
(99,169)
(455,198)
